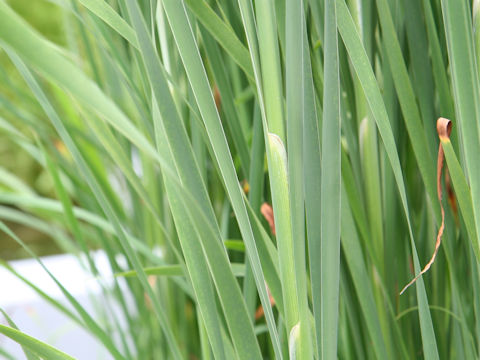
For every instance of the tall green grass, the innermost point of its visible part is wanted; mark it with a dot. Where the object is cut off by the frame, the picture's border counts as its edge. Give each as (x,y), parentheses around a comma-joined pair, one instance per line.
(160,127)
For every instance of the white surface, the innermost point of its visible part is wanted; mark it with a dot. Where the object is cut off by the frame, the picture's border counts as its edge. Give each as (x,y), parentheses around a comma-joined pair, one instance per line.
(37,318)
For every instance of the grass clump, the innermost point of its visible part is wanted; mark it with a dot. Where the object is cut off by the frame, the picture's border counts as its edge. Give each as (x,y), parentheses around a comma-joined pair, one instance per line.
(266,169)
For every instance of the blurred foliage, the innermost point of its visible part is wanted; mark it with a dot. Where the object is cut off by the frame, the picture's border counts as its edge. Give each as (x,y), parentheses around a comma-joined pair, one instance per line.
(47,19)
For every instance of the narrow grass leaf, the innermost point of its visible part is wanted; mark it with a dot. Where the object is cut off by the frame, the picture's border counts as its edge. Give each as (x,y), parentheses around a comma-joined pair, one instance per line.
(295,108)
(40,348)
(27,352)
(283,227)
(330,189)
(105,12)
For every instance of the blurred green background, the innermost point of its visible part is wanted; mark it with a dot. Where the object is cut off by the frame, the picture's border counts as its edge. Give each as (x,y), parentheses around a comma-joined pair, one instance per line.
(46,17)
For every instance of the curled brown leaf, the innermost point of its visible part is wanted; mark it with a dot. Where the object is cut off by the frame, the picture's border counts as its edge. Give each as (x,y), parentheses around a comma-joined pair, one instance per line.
(444,128)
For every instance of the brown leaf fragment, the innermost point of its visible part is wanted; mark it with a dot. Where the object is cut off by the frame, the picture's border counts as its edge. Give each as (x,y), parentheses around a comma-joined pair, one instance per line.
(217,98)
(444,128)
(267,213)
